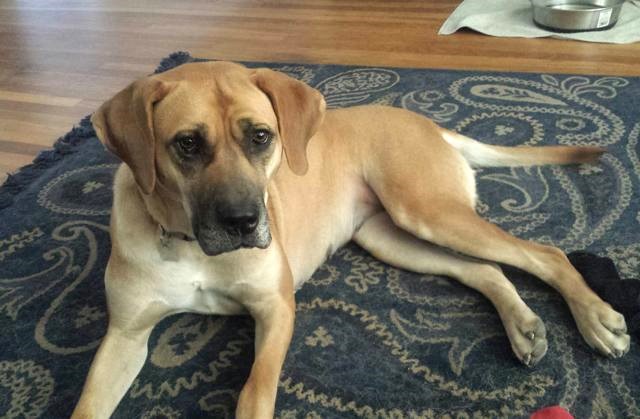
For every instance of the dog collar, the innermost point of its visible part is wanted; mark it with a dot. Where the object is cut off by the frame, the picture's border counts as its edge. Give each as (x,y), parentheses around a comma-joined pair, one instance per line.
(166,235)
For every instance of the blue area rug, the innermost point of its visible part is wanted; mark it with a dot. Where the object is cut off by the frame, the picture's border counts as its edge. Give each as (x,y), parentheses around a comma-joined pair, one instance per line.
(370,340)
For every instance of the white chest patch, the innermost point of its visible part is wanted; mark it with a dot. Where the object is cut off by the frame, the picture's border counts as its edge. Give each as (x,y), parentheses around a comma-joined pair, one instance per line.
(188,280)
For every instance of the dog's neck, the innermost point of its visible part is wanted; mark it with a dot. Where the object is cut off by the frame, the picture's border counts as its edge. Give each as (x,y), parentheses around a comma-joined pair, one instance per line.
(171,235)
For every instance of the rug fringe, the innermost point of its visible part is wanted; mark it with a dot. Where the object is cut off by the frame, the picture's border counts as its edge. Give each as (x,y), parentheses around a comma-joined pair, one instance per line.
(20,180)
(174,60)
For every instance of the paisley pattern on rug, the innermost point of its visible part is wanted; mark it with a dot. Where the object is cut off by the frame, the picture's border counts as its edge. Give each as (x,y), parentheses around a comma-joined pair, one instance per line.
(370,340)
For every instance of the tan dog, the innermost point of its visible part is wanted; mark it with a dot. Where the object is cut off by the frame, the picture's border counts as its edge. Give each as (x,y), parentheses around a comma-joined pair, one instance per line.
(207,219)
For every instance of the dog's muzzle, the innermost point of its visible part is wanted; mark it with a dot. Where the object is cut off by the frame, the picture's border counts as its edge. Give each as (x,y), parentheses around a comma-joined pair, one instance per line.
(226,227)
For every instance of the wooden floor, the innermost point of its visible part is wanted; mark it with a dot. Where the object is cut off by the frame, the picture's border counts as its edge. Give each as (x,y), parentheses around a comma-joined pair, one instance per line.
(59,59)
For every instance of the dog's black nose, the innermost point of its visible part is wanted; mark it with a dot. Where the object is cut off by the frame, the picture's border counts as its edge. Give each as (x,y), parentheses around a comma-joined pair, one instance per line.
(243,220)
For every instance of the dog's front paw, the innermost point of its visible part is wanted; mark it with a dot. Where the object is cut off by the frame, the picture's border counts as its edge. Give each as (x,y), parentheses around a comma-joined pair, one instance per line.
(602,327)
(528,337)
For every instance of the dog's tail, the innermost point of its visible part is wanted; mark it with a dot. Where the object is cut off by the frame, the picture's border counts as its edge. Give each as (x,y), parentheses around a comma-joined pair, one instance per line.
(485,155)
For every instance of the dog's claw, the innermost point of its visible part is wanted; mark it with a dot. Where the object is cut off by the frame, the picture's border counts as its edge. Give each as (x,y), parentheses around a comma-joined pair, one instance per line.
(527,360)
(530,335)
(615,354)
(602,327)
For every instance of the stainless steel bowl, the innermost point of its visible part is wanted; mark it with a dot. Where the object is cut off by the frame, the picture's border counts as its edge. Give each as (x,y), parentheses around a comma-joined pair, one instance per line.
(576,15)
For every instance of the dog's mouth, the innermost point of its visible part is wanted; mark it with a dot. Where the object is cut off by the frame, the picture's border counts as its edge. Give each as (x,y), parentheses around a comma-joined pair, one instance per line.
(215,238)
(214,243)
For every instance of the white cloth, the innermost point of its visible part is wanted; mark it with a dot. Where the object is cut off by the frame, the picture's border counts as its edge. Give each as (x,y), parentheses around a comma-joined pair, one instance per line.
(514,18)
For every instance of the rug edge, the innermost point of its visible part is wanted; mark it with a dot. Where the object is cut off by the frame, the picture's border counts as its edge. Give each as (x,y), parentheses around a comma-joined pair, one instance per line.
(19,180)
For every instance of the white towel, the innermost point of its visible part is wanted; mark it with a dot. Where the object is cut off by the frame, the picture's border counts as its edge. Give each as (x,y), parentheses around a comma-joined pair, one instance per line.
(514,18)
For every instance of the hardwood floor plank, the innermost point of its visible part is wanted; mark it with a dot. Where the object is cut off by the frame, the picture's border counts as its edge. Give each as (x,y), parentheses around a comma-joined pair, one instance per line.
(19,147)
(36,98)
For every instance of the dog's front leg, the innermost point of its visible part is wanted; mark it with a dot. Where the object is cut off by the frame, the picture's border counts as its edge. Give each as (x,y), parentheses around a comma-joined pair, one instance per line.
(119,359)
(274,317)
(123,350)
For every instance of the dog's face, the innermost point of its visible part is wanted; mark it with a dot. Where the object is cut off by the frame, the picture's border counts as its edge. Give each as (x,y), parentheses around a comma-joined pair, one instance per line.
(211,135)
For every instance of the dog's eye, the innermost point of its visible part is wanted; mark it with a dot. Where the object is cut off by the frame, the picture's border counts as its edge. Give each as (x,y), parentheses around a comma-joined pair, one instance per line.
(261,136)
(188,144)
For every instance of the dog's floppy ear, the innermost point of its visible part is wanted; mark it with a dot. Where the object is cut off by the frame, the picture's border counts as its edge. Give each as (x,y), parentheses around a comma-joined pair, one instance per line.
(299,109)
(124,124)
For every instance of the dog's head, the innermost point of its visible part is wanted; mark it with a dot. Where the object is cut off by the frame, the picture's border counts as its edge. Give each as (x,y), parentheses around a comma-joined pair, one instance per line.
(211,135)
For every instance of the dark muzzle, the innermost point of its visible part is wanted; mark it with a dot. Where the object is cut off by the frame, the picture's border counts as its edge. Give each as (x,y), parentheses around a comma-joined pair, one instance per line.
(224,225)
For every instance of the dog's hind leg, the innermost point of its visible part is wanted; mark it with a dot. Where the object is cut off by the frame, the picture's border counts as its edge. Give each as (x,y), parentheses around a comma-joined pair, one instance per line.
(427,188)
(387,242)
(455,225)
